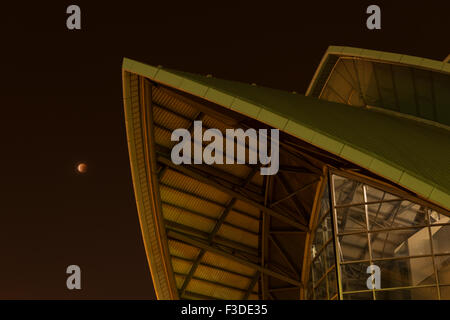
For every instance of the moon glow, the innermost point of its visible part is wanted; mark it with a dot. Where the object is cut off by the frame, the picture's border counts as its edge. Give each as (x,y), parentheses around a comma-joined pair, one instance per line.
(82,168)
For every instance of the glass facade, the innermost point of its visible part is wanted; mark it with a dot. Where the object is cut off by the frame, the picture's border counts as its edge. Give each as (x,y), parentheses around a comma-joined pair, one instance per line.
(323,284)
(361,228)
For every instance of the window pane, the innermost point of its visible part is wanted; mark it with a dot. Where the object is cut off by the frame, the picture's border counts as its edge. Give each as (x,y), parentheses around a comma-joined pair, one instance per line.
(436,217)
(318,267)
(374,194)
(398,243)
(429,293)
(351,219)
(347,191)
(382,215)
(441,239)
(445,292)
(354,247)
(443,269)
(329,253)
(324,232)
(309,290)
(396,214)
(354,276)
(324,203)
(406,272)
(321,291)
(332,284)
(379,221)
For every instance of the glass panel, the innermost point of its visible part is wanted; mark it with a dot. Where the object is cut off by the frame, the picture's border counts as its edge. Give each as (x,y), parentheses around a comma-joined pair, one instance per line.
(317,244)
(332,284)
(329,252)
(351,219)
(396,214)
(322,258)
(386,212)
(441,239)
(429,293)
(347,191)
(309,290)
(324,203)
(359,296)
(323,233)
(443,269)
(354,247)
(382,215)
(374,194)
(321,291)
(406,272)
(318,267)
(354,276)
(445,292)
(398,243)
(436,217)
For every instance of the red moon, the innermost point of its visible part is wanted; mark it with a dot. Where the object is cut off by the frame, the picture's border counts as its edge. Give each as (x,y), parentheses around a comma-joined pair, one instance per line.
(82,168)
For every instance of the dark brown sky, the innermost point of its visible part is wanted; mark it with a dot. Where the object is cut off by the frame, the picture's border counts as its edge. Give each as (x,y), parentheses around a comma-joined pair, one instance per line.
(61,102)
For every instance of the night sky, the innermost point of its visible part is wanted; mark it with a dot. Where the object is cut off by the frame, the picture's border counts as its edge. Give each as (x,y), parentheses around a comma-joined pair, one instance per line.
(61,103)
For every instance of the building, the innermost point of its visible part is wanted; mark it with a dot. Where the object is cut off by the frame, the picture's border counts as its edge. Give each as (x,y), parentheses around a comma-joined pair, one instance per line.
(364,179)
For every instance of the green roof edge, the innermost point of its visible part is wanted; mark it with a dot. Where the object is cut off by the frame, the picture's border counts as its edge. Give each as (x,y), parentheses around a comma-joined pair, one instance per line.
(363,158)
(382,56)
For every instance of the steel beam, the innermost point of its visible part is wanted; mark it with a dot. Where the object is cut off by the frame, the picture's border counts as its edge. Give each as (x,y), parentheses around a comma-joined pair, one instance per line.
(206,200)
(193,174)
(231,244)
(293,193)
(201,245)
(199,214)
(283,289)
(190,275)
(284,255)
(198,296)
(220,284)
(213,267)
(303,214)
(252,285)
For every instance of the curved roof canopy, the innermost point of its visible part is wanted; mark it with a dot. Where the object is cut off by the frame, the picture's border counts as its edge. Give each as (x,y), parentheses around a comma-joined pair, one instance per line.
(403,84)
(203,225)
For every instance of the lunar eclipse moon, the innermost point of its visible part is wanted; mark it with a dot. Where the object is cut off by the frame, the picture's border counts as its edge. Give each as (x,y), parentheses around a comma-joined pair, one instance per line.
(82,168)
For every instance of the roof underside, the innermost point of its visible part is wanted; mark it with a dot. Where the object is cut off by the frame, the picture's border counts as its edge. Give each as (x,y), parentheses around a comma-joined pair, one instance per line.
(211,218)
